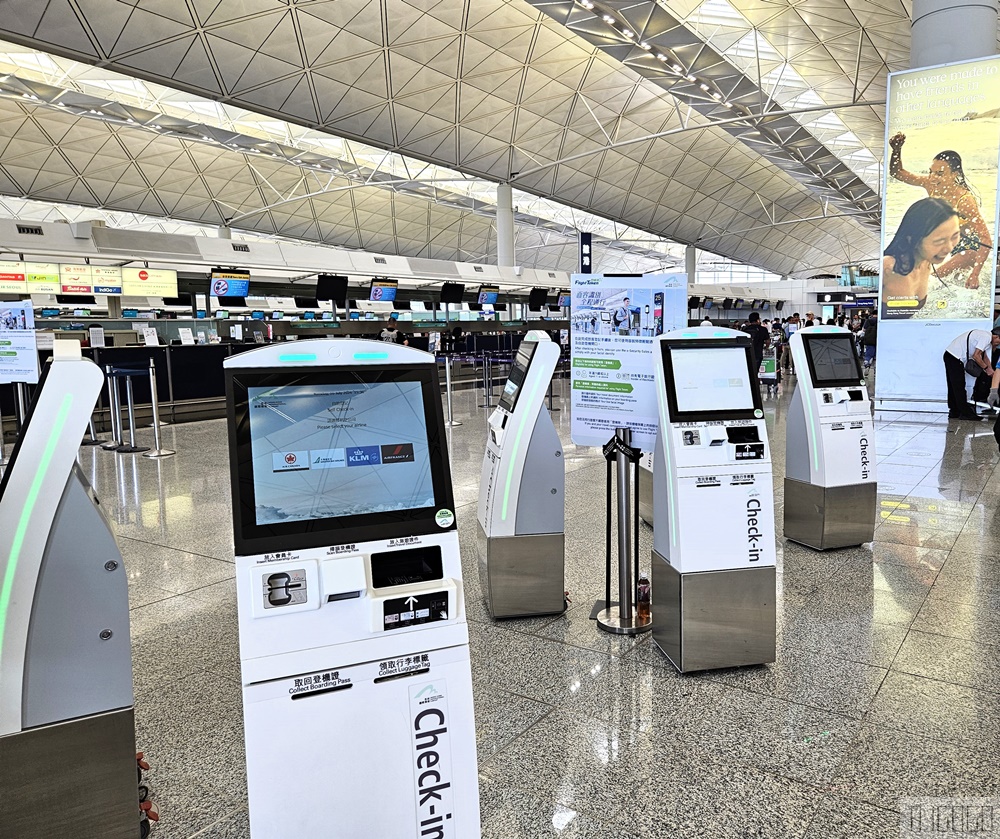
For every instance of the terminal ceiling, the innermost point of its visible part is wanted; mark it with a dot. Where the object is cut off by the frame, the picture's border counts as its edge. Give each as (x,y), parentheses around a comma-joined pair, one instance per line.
(752,129)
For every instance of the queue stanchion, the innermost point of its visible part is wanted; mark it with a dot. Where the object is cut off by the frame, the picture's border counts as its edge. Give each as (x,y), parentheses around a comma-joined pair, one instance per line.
(452,422)
(623,619)
(131,447)
(20,404)
(91,440)
(114,410)
(158,450)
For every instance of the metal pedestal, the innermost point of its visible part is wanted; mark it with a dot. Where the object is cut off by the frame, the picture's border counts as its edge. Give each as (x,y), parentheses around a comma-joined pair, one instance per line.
(829,517)
(71,779)
(712,619)
(522,575)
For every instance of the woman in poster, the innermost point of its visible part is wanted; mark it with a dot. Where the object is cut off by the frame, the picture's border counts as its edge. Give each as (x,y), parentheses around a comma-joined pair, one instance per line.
(947,181)
(926,238)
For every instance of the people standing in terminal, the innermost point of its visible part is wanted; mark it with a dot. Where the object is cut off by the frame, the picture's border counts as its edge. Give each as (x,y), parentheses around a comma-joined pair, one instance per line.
(791,326)
(392,335)
(947,181)
(969,346)
(871,335)
(925,238)
(758,338)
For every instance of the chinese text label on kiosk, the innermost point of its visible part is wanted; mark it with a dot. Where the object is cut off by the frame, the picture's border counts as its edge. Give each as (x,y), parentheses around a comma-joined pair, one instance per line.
(713,543)
(66,718)
(830,481)
(353,637)
(522,492)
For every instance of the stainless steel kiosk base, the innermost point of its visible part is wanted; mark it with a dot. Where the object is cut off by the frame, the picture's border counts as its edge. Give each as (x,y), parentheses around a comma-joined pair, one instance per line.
(84,771)
(712,619)
(522,575)
(829,517)
(646,496)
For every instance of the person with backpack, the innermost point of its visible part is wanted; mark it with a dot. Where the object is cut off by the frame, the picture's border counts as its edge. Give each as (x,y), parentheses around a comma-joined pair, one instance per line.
(622,316)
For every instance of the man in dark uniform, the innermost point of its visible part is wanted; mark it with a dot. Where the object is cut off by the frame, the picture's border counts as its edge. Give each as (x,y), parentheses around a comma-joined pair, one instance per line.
(758,338)
(392,335)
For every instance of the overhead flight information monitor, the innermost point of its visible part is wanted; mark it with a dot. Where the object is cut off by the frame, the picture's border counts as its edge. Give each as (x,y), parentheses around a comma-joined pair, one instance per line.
(713,542)
(488,294)
(384,290)
(353,633)
(830,472)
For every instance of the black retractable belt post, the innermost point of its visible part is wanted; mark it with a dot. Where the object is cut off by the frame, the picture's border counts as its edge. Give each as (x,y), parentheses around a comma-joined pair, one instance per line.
(622,618)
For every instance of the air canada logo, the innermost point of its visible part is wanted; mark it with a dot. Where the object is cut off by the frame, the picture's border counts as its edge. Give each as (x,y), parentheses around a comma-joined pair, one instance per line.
(290,459)
(398,453)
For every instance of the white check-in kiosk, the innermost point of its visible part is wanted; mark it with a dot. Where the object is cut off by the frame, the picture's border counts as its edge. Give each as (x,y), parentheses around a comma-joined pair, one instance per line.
(67,737)
(830,482)
(713,563)
(522,492)
(357,691)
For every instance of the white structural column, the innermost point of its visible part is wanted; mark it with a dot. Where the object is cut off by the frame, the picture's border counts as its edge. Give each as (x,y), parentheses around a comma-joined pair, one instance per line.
(943,31)
(505,226)
(691,263)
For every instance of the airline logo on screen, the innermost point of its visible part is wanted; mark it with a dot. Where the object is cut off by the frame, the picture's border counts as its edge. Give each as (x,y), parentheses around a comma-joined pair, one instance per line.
(298,461)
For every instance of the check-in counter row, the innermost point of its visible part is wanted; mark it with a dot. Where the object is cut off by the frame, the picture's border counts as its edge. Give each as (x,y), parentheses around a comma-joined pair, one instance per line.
(190,383)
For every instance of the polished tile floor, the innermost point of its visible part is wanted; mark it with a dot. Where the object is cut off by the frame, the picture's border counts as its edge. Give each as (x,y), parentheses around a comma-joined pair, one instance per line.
(887,682)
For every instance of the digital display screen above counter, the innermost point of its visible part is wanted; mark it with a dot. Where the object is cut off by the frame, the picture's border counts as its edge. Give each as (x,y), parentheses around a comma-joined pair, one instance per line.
(327,456)
(518,373)
(710,380)
(384,290)
(488,294)
(833,361)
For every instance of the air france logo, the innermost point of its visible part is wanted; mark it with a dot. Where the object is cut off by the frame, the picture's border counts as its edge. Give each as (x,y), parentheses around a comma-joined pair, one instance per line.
(364,456)
(397,453)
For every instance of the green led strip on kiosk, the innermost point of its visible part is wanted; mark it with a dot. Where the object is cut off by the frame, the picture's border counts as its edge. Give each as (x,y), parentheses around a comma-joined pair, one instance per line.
(31,499)
(513,458)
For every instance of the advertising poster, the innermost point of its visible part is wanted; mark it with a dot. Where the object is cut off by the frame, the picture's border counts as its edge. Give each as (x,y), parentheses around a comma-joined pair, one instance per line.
(76,279)
(18,353)
(149,282)
(12,279)
(614,322)
(939,221)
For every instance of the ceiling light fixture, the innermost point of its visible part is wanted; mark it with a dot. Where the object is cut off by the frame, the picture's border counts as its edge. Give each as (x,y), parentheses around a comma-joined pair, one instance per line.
(645,46)
(608,19)
(628,33)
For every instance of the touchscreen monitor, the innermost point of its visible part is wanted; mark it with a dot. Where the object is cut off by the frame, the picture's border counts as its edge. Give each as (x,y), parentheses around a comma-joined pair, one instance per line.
(323,456)
(711,379)
(384,290)
(488,294)
(518,373)
(833,361)
(256,315)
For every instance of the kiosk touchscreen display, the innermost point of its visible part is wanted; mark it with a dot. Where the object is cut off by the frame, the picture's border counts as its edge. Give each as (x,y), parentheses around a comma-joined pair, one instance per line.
(359,451)
(832,360)
(710,381)
(518,373)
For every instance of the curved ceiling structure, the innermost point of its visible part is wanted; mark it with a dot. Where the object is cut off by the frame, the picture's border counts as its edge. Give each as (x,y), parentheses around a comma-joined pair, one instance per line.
(754,133)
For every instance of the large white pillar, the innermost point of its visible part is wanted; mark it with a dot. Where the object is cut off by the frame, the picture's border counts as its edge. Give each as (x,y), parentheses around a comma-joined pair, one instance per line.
(505,226)
(943,31)
(691,263)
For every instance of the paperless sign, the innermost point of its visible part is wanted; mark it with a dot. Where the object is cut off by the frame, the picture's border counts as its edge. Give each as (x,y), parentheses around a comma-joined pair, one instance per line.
(18,353)
(149,282)
(76,279)
(12,279)
(42,277)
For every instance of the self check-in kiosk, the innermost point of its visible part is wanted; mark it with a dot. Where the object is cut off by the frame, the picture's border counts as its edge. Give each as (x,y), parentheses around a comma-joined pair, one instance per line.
(713,598)
(522,492)
(830,481)
(67,736)
(357,690)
